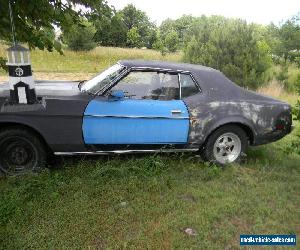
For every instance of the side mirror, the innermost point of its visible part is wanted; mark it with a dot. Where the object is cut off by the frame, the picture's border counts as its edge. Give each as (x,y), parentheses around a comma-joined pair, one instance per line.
(117,94)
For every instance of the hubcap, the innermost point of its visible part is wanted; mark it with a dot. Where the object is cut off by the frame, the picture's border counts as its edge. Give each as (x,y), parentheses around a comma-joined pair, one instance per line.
(17,155)
(227,148)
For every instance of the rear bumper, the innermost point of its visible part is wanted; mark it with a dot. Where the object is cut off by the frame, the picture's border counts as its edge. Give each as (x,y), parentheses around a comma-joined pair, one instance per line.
(272,136)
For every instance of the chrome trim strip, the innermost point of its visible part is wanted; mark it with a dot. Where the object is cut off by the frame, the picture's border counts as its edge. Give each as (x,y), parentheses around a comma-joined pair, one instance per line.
(128,70)
(137,117)
(111,83)
(127,151)
(197,84)
(175,71)
(179,81)
(176,112)
(193,79)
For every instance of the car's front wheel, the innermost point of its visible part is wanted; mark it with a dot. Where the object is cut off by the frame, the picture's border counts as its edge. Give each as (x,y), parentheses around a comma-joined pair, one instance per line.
(225,145)
(21,151)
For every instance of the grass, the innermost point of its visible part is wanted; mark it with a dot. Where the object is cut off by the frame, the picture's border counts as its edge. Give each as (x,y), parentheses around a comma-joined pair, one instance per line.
(288,76)
(146,201)
(72,64)
(274,89)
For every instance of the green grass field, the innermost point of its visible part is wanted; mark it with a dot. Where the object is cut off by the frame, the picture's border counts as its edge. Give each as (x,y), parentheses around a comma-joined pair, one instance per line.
(46,64)
(146,201)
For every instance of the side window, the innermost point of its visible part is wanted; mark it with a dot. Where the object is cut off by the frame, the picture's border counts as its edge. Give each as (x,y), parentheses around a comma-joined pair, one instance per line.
(149,85)
(188,86)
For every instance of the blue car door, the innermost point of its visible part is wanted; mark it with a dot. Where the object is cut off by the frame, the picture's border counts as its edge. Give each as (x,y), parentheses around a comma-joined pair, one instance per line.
(152,112)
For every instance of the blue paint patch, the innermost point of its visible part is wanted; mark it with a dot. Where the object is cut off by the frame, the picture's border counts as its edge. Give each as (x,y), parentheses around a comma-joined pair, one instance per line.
(135,122)
(130,107)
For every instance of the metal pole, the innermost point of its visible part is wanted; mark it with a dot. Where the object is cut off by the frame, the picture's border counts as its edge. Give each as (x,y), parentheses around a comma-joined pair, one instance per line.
(12,23)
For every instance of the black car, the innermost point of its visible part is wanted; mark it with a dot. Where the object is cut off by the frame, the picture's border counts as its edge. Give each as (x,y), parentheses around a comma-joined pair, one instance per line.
(140,106)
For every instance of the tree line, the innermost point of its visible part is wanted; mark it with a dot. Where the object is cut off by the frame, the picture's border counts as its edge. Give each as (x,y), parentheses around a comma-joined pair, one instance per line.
(243,51)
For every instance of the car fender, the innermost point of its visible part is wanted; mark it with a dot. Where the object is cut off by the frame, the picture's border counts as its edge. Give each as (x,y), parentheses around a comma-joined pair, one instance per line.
(22,121)
(215,124)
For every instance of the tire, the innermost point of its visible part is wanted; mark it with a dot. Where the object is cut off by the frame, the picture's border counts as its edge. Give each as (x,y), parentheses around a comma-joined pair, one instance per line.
(227,144)
(21,151)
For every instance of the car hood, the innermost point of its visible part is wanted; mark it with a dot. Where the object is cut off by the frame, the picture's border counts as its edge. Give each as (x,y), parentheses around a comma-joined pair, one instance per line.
(48,88)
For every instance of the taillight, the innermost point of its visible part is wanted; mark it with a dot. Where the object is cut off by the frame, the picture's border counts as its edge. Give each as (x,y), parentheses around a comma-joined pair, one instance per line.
(280,127)
(284,121)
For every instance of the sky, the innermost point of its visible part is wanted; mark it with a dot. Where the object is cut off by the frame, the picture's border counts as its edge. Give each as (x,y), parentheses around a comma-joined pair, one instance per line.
(258,11)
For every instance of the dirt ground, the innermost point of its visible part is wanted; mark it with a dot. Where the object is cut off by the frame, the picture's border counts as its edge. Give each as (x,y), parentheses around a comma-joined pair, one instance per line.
(55,76)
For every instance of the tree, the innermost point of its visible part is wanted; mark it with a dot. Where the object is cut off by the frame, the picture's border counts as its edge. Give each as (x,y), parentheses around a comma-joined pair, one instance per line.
(80,36)
(171,41)
(165,27)
(159,44)
(115,29)
(297,107)
(134,18)
(111,31)
(295,146)
(34,19)
(118,31)
(133,38)
(230,45)
(180,26)
(151,37)
(285,38)
(167,43)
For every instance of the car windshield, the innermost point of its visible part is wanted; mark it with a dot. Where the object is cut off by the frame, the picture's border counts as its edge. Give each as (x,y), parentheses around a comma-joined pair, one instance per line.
(95,84)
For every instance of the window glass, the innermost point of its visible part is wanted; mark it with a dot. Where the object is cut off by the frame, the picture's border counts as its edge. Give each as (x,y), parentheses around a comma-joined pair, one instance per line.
(17,56)
(149,85)
(10,60)
(188,86)
(26,57)
(99,81)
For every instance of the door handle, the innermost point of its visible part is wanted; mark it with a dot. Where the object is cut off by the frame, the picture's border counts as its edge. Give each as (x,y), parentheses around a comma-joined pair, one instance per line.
(176,112)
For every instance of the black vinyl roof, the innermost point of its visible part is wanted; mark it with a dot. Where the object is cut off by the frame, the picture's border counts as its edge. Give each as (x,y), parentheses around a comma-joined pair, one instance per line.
(209,79)
(165,65)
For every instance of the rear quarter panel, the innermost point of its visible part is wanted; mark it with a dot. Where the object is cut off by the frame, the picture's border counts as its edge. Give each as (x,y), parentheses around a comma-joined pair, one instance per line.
(207,114)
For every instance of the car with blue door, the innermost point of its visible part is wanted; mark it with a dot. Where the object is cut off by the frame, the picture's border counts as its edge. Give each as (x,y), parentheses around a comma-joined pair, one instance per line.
(140,106)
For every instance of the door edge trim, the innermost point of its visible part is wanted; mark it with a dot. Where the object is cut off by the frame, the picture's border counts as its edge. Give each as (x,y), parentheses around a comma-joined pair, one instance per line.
(136,117)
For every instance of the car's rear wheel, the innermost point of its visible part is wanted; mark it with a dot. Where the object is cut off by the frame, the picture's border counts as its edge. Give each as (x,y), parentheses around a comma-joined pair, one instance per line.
(225,145)
(21,151)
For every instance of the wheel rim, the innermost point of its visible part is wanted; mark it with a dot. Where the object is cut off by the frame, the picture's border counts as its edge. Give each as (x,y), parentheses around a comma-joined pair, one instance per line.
(17,155)
(227,148)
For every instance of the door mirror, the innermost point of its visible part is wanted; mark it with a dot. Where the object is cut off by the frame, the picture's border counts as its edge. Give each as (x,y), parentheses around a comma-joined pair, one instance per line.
(117,94)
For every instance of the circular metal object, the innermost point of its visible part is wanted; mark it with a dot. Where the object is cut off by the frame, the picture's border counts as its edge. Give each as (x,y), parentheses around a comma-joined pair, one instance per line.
(17,155)
(227,148)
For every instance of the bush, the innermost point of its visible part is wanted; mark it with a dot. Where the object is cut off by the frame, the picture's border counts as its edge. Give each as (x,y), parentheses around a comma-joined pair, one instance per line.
(297,61)
(297,106)
(231,46)
(133,38)
(3,64)
(289,77)
(172,41)
(80,37)
(296,111)
(159,45)
(167,43)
